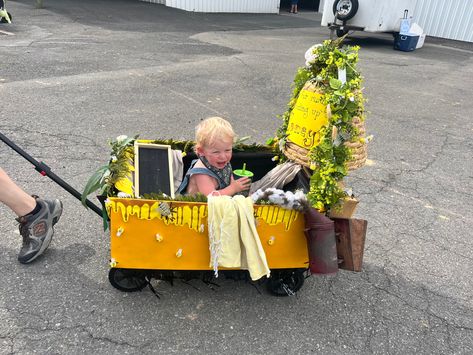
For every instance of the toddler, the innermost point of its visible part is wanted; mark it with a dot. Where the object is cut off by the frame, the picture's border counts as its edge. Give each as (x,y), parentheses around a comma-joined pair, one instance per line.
(212,172)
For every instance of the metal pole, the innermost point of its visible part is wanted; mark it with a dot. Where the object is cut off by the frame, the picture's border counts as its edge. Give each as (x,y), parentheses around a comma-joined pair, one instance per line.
(45,170)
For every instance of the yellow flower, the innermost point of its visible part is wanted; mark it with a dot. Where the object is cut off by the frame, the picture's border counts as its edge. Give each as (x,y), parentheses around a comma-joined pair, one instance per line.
(124,185)
(129,153)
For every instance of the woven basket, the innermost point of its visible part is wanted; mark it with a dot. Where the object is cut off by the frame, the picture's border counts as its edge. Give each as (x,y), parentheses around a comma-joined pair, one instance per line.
(358,149)
(296,154)
(291,150)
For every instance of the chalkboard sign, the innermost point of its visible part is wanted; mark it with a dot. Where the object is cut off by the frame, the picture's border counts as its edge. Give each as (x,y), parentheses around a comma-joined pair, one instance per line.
(153,169)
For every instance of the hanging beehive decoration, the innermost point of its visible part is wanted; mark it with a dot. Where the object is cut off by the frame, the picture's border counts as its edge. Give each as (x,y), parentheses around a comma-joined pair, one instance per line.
(307,118)
(324,125)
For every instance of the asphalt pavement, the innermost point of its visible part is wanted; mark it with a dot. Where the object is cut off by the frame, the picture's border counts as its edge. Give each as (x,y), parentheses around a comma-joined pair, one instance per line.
(74,75)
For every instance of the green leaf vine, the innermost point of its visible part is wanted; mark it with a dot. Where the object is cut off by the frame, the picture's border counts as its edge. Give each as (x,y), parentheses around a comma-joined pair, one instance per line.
(325,65)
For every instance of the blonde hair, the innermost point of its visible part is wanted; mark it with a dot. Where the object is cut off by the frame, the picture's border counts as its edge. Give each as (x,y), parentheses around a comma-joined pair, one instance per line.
(211,130)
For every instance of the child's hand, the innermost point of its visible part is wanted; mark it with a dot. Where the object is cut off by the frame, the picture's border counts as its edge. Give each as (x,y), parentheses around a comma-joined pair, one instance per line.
(241,184)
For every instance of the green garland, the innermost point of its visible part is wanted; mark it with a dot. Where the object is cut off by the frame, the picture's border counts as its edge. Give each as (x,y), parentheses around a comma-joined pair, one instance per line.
(119,168)
(115,178)
(329,158)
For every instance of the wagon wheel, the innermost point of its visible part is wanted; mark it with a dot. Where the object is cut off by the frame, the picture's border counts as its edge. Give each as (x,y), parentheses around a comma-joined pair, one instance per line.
(285,282)
(341,33)
(345,9)
(127,280)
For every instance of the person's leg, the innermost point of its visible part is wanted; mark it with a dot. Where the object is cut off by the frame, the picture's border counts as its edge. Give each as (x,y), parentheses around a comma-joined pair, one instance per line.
(36,217)
(14,197)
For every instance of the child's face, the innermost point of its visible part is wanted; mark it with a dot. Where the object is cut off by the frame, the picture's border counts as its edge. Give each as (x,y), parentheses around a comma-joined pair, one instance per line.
(218,154)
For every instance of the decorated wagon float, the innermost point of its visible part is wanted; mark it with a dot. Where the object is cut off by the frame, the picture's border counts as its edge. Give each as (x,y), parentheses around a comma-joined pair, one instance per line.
(295,221)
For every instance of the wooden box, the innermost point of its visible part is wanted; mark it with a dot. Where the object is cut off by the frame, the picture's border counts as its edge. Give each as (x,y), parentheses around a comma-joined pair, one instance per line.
(350,235)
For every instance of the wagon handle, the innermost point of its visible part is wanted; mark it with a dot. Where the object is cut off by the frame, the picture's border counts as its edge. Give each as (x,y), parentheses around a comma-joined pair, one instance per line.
(45,170)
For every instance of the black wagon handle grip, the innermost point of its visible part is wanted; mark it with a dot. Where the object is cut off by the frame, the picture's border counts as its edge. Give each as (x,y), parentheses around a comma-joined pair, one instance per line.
(45,170)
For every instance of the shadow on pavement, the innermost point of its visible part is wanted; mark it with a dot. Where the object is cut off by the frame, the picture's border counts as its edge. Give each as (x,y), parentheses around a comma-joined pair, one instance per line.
(133,15)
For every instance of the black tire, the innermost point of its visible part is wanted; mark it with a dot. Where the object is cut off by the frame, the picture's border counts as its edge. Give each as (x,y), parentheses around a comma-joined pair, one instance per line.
(127,280)
(4,20)
(341,33)
(285,282)
(345,9)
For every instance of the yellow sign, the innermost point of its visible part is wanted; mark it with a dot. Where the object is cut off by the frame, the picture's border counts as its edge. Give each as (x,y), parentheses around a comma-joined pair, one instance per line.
(307,118)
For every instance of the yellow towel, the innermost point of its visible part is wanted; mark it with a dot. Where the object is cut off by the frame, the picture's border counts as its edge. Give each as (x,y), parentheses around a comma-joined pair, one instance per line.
(233,238)
(224,239)
(253,256)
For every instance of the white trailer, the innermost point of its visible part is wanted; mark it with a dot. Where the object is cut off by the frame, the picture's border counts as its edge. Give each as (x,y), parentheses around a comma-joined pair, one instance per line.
(342,16)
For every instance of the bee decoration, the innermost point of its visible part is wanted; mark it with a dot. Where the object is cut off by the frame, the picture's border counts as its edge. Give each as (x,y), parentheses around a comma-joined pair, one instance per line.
(166,211)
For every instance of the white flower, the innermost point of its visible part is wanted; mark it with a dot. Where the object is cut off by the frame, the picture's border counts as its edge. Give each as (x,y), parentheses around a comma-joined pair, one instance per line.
(257,195)
(282,144)
(123,195)
(121,138)
(278,198)
(311,55)
(299,195)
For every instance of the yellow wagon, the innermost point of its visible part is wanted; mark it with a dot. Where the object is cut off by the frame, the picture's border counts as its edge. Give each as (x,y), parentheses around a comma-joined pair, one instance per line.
(167,239)
(146,243)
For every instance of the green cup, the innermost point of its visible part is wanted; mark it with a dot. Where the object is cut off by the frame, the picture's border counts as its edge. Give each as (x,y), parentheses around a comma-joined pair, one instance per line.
(239,173)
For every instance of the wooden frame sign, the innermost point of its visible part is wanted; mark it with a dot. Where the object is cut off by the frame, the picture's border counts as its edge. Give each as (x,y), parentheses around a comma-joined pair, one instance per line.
(153,169)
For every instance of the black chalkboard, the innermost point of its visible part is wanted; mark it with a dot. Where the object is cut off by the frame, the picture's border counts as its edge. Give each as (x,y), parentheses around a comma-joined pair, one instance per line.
(153,169)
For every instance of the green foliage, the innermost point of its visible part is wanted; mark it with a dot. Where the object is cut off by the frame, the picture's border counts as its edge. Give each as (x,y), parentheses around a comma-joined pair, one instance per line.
(345,99)
(94,183)
(188,146)
(104,180)
(119,167)
(324,182)
(185,198)
(182,145)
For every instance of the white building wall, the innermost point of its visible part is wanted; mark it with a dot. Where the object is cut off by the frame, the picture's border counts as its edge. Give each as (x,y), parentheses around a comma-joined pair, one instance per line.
(452,19)
(156,1)
(242,6)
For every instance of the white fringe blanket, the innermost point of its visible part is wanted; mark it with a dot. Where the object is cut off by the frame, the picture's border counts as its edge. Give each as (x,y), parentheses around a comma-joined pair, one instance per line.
(233,239)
